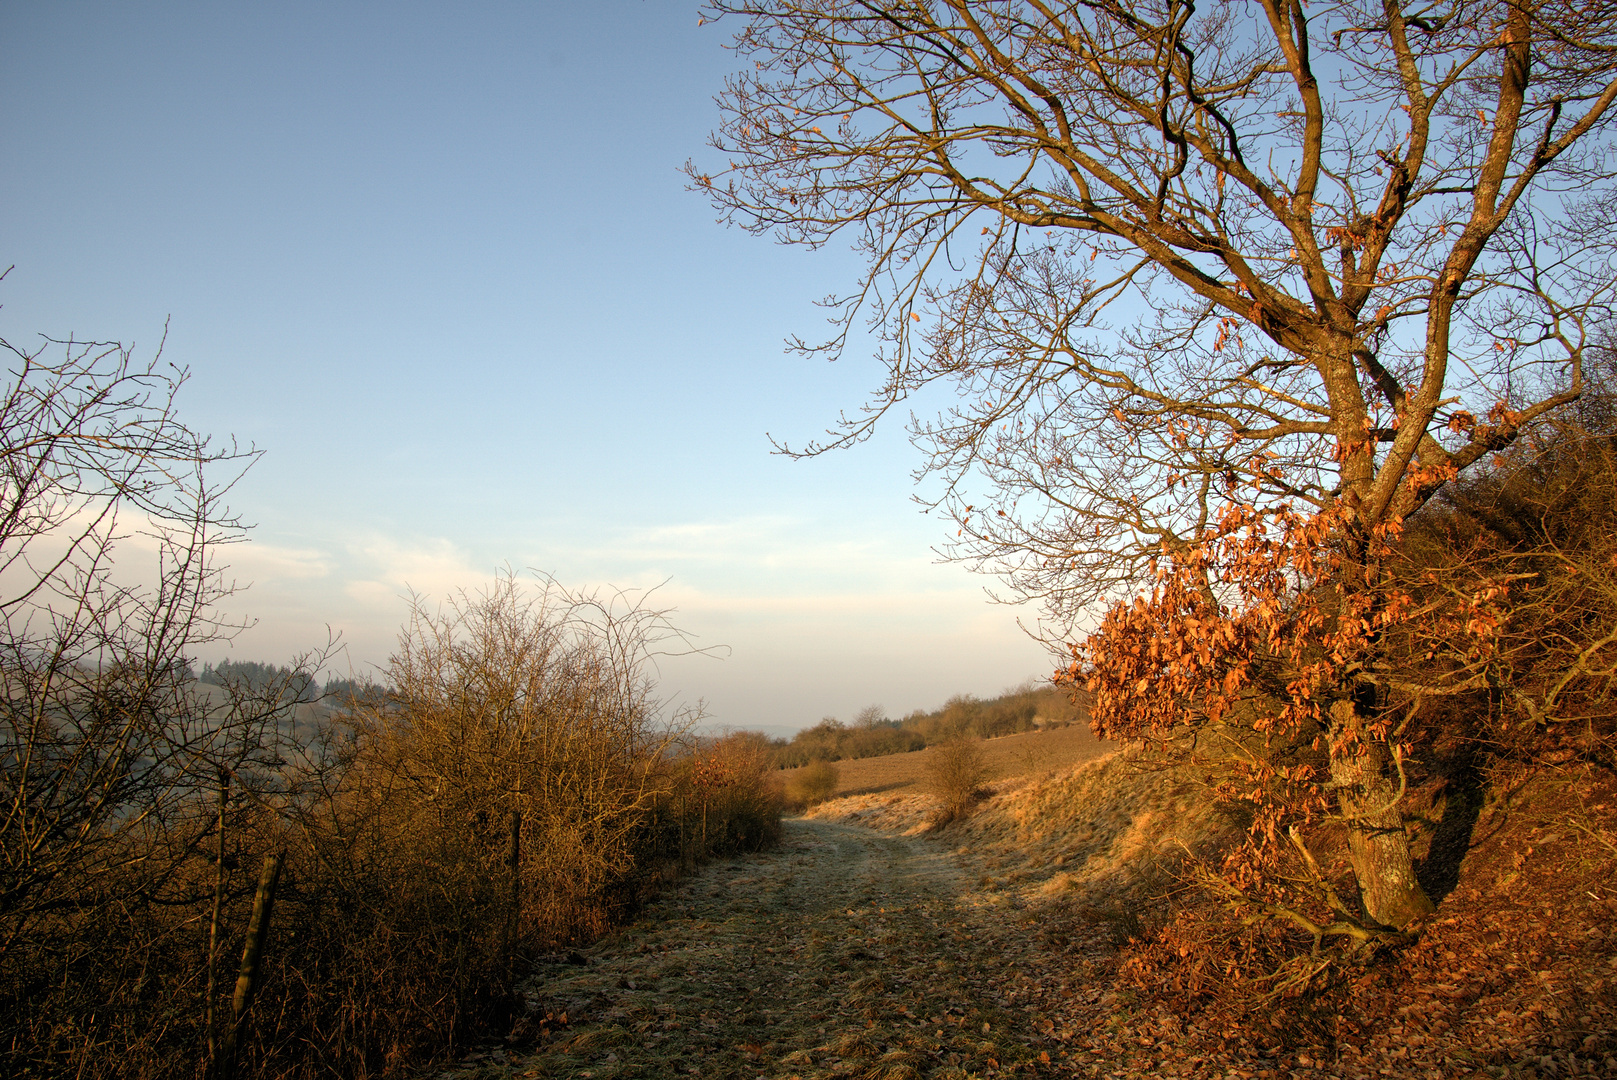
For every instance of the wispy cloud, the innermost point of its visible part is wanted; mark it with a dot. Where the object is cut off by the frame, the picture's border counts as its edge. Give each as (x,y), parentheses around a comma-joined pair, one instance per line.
(252,562)
(774,555)
(431,566)
(811,624)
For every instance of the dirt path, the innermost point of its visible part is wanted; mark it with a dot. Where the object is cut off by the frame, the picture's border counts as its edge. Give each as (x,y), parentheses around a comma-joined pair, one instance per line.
(844,952)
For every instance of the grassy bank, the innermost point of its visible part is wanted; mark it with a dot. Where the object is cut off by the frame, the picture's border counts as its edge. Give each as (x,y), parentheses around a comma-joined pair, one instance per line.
(1516,972)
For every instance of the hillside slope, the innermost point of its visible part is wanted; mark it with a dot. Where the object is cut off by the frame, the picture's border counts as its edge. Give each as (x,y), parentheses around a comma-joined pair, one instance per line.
(1010,758)
(1105,833)
(1516,974)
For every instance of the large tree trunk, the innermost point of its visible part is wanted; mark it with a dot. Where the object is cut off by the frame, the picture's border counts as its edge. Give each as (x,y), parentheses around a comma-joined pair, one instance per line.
(1377,842)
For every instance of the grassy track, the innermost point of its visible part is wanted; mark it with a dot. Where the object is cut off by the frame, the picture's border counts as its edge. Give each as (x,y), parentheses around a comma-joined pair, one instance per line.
(868,946)
(845,952)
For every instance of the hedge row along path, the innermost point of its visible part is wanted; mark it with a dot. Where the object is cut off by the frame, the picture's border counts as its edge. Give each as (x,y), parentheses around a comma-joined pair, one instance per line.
(843,952)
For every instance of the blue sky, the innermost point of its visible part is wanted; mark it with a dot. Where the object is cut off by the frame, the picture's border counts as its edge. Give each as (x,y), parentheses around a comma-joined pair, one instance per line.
(438,262)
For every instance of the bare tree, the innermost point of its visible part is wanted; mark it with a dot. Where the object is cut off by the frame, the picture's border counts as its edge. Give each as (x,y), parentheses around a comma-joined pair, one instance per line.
(111,514)
(870,716)
(1176,264)
(94,654)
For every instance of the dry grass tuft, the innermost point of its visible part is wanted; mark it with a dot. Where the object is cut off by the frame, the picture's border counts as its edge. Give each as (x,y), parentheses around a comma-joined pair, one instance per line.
(854,1044)
(897,1065)
(866,988)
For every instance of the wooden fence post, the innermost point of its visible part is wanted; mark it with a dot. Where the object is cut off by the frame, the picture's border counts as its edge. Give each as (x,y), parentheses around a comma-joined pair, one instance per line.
(513,861)
(251,953)
(213,927)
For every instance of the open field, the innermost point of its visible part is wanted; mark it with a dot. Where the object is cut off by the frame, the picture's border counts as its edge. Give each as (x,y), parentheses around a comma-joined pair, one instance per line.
(1012,757)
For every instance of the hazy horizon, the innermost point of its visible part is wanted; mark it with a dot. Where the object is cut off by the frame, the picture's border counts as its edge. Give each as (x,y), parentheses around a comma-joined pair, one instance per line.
(441,267)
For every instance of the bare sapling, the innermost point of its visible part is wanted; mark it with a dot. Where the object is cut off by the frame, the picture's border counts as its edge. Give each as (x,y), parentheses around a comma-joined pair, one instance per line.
(956,770)
(249,975)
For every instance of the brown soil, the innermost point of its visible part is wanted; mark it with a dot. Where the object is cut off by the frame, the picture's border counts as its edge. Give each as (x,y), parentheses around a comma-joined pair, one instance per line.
(1029,754)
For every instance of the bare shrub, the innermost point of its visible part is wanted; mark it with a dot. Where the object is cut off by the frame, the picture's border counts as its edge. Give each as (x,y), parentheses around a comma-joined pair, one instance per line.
(514,791)
(956,771)
(527,713)
(118,772)
(492,805)
(731,794)
(813,784)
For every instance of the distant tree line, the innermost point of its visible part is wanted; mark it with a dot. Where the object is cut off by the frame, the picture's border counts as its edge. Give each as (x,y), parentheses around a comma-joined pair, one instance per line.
(291,684)
(288,683)
(873,733)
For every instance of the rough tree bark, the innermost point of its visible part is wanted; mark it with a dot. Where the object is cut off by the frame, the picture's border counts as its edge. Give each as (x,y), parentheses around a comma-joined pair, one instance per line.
(1369,802)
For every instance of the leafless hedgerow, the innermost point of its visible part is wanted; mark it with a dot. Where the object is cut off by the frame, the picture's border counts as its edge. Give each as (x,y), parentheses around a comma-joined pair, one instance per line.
(509,794)
(111,517)
(224,880)
(1179,263)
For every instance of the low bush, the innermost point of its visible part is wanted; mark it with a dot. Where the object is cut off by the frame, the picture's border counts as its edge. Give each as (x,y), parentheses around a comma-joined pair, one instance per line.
(727,795)
(813,784)
(956,771)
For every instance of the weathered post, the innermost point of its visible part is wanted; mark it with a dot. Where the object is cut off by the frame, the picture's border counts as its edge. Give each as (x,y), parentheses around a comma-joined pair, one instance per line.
(251,953)
(513,862)
(213,927)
